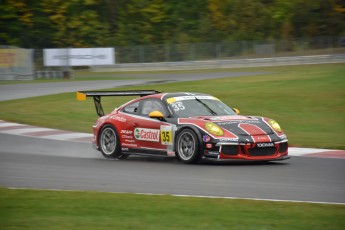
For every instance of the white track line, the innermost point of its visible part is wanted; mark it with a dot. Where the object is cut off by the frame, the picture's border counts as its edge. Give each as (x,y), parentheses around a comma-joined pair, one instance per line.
(192,196)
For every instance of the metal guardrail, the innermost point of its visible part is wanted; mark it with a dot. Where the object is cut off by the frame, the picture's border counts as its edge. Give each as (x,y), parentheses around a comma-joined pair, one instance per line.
(214,64)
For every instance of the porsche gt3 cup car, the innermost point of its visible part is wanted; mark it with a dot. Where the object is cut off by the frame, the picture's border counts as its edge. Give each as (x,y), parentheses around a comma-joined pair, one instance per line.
(190,126)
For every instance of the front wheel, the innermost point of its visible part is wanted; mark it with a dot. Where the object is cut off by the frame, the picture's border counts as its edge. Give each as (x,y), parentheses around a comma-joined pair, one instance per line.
(109,143)
(187,146)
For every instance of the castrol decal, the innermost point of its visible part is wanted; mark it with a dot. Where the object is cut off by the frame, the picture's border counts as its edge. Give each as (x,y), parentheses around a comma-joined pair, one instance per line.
(147,134)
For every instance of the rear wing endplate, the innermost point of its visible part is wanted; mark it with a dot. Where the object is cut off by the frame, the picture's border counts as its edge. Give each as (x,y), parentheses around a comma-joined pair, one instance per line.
(81,95)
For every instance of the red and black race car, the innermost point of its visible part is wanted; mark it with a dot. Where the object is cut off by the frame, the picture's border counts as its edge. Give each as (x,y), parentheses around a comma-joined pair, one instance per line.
(190,126)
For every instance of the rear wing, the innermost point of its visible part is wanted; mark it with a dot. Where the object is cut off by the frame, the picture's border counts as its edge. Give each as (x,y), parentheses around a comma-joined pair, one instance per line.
(81,95)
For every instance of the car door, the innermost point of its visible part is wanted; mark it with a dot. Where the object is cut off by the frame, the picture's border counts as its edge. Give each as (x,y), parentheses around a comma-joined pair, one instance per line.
(152,133)
(143,134)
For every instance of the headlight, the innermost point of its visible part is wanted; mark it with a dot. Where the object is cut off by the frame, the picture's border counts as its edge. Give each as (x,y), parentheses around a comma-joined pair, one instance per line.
(275,125)
(214,129)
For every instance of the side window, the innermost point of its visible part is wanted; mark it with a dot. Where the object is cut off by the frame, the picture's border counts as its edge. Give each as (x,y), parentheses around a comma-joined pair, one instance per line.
(132,108)
(152,105)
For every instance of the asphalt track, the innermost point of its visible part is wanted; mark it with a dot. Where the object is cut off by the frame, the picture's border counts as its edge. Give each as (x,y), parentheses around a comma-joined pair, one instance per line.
(17,91)
(29,162)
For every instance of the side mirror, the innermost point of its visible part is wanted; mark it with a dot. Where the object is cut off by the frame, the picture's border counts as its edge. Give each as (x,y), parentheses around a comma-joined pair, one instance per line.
(236,110)
(157,114)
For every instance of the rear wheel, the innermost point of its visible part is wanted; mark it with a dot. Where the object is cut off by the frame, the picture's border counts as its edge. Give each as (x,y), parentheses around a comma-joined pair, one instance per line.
(187,146)
(109,143)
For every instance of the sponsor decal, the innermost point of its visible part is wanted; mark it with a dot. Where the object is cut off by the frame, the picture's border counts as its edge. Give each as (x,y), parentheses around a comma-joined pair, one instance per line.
(129,145)
(237,122)
(209,146)
(213,153)
(224,118)
(147,134)
(128,132)
(130,141)
(116,118)
(184,98)
(79,57)
(124,149)
(67,57)
(206,138)
(228,139)
(262,145)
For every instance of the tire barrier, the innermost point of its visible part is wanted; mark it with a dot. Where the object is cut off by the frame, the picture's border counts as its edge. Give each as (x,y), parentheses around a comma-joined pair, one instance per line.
(49,74)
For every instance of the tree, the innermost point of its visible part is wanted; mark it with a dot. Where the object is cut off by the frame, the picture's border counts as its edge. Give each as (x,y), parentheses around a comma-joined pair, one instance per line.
(140,22)
(89,23)
(316,18)
(75,23)
(241,19)
(16,20)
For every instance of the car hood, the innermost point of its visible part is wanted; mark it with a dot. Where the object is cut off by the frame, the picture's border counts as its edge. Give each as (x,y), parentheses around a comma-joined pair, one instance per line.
(242,125)
(239,128)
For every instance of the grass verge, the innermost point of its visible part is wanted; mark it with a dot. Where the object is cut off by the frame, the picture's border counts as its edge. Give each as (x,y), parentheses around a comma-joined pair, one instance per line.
(308,101)
(34,209)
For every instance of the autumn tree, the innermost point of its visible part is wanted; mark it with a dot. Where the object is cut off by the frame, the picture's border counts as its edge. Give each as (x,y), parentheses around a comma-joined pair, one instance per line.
(92,23)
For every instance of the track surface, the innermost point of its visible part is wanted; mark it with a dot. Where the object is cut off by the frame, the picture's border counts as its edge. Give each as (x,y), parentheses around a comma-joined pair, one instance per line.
(16,91)
(33,162)
(50,164)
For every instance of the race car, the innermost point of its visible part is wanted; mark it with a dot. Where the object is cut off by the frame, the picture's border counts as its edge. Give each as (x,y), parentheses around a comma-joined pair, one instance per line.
(189,126)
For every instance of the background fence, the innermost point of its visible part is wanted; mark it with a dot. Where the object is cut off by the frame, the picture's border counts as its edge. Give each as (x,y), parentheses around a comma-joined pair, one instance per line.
(16,63)
(230,50)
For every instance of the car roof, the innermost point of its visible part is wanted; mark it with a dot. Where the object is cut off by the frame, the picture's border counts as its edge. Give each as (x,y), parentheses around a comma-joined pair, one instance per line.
(164,96)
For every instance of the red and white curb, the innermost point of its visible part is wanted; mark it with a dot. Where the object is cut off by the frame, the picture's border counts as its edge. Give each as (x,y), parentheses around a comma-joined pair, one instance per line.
(54,134)
(45,133)
(310,152)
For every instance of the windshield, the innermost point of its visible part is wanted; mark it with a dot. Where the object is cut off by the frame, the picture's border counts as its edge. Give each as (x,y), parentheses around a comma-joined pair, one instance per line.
(191,106)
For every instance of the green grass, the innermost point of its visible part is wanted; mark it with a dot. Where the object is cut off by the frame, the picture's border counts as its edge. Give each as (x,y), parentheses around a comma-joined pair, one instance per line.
(33,209)
(86,75)
(308,102)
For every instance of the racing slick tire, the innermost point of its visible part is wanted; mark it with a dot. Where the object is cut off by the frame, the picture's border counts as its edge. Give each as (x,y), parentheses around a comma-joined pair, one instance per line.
(187,146)
(109,143)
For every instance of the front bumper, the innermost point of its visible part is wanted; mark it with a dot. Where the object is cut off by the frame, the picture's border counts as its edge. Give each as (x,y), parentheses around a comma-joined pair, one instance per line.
(247,151)
(286,157)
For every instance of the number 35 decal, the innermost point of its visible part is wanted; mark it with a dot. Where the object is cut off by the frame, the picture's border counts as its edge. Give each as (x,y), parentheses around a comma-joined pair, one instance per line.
(166,135)
(178,106)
